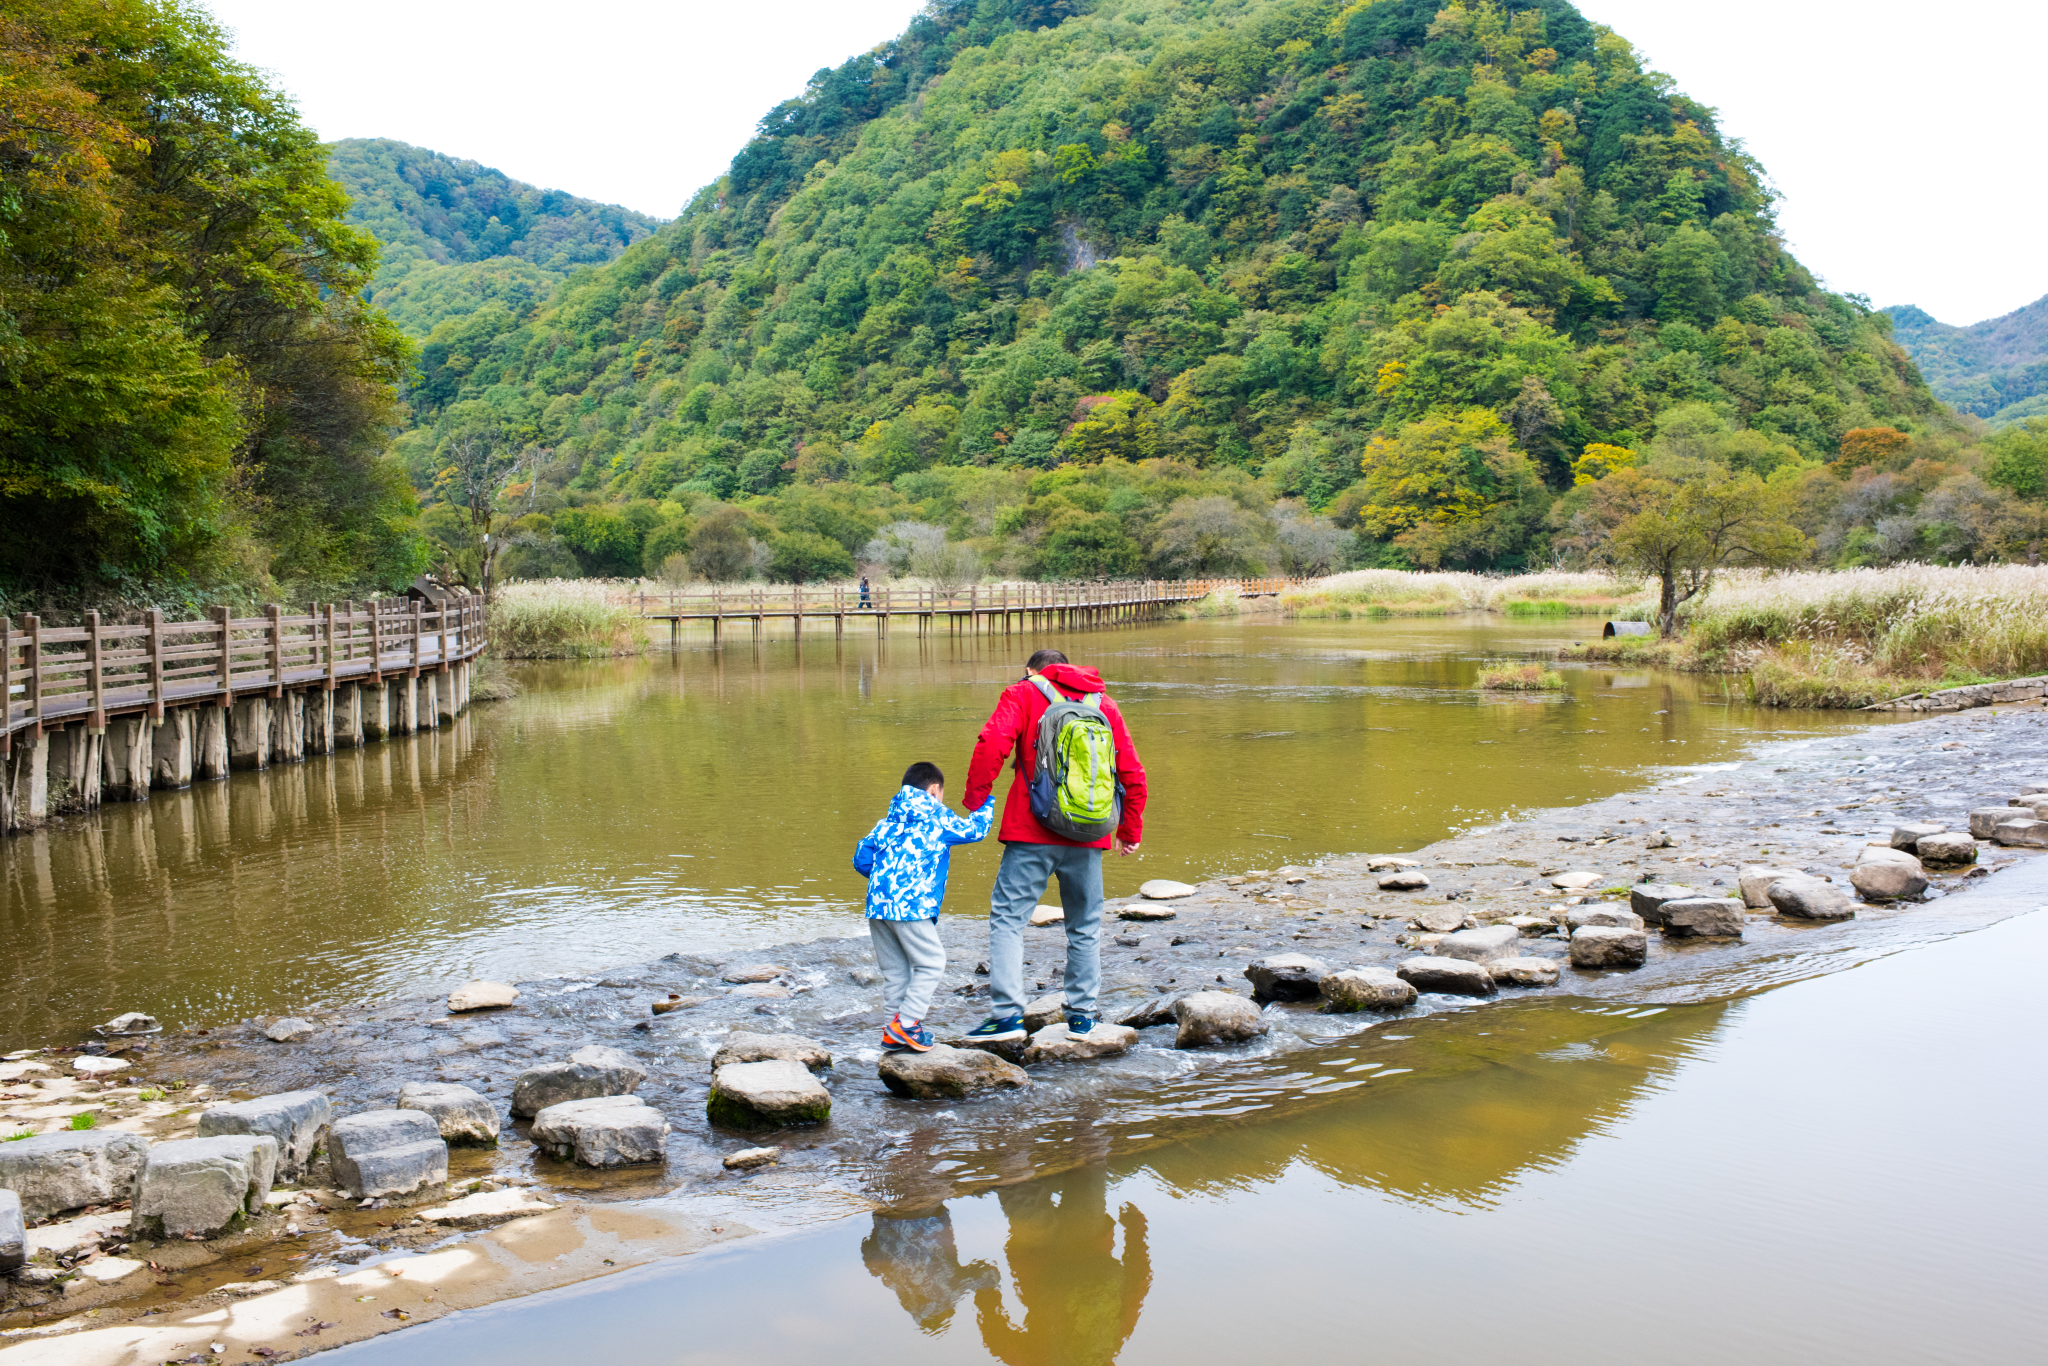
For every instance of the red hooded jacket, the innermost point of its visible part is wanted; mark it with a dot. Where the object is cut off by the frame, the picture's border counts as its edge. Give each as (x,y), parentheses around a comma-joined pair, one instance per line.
(1014,725)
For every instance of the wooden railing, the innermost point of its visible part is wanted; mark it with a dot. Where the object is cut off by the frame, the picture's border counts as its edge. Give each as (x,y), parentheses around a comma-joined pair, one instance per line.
(826,600)
(51,674)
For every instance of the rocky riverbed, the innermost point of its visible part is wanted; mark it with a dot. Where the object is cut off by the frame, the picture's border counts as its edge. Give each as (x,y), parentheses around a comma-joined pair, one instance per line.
(1805,809)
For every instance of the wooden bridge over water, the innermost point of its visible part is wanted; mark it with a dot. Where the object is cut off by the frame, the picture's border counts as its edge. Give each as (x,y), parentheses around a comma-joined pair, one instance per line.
(996,609)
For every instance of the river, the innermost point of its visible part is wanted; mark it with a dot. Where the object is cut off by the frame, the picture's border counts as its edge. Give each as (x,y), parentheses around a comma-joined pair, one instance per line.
(710,799)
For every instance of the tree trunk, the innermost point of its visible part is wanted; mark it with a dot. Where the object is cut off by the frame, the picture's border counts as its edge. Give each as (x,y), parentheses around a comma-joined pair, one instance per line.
(1667,604)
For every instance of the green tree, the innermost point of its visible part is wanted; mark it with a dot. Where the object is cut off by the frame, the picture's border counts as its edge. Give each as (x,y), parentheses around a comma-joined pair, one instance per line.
(2019,458)
(806,557)
(721,548)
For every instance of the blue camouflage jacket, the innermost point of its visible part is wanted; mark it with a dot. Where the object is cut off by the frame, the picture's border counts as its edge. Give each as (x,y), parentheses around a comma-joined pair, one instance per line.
(906,856)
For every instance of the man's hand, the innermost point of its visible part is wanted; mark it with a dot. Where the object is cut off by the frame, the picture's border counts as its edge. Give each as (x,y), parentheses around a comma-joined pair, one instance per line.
(1121,848)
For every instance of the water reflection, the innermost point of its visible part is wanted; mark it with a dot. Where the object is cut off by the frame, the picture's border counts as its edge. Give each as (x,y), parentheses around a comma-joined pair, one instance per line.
(913,1253)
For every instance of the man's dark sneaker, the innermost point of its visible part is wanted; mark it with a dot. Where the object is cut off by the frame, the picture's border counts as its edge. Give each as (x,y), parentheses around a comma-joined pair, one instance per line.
(993,1030)
(1079,1024)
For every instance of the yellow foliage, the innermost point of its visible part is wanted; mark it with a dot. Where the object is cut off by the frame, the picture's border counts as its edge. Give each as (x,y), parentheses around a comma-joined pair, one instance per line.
(1601,460)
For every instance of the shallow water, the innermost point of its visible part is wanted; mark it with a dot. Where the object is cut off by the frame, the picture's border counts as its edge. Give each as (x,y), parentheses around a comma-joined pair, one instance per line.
(1832,1171)
(709,799)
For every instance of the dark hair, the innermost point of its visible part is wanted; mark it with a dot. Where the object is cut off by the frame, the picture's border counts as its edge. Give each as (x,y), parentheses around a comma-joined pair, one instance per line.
(1044,657)
(922,775)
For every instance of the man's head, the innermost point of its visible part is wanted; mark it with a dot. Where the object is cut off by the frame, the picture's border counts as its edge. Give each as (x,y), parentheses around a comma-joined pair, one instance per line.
(1040,658)
(926,777)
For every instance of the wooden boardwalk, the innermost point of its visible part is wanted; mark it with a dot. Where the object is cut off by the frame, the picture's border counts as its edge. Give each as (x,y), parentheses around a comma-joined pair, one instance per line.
(1000,609)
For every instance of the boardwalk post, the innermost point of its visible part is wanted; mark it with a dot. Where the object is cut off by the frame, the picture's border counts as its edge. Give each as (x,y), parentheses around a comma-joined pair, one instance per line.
(156,665)
(98,723)
(332,683)
(6,690)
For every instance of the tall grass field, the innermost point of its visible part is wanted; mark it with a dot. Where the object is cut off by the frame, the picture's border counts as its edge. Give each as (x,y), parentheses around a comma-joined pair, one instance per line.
(1402,593)
(563,619)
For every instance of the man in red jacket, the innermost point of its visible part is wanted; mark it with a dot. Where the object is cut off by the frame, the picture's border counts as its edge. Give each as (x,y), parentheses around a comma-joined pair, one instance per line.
(1032,854)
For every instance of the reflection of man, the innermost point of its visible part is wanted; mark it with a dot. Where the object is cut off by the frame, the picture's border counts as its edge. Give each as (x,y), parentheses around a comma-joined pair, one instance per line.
(1080,1302)
(913,1254)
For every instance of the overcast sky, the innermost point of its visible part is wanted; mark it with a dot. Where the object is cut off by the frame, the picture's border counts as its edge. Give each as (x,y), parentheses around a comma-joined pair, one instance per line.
(1903,137)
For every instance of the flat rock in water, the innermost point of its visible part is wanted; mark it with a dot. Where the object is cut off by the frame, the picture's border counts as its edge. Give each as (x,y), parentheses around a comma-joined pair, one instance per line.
(133,1022)
(386,1152)
(13,1232)
(1613,915)
(593,1070)
(463,1116)
(203,1186)
(1149,1014)
(758,972)
(1947,849)
(2022,833)
(762,991)
(1048,915)
(1451,976)
(110,1270)
(481,996)
(2029,789)
(1809,898)
(747,1159)
(1287,977)
(56,1172)
(1704,917)
(1887,881)
(740,1046)
(773,1094)
(1523,972)
(97,1067)
(1646,897)
(486,1209)
(1609,946)
(290,1030)
(1532,926)
(1578,879)
(1057,1043)
(1481,945)
(1353,989)
(945,1073)
(1009,1050)
(608,1131)
(1985,820)
(1209,1017)
(1438,920)
(1387,863)
(298,1120)
(1409,881)
(1906,836)
(1137,910)
(1165,889)
(1755,883)
(1044,1011)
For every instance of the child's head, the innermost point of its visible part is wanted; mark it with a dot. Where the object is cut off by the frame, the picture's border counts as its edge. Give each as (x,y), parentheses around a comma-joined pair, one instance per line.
(925,776)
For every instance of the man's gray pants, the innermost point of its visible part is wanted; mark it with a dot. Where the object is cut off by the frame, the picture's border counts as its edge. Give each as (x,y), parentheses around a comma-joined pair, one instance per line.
(913,959)
(1019,883)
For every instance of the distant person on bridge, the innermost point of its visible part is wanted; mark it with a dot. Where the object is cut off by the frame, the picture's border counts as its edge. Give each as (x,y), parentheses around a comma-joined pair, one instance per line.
(1080,789)
(863,592)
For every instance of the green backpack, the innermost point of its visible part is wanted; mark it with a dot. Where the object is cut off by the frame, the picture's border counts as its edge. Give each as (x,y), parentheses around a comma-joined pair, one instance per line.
(1074,788)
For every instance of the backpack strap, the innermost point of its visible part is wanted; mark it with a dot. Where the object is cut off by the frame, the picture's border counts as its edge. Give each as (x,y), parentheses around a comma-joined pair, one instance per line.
(1053,696)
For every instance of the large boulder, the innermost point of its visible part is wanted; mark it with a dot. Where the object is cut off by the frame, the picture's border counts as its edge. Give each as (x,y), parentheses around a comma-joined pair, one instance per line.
(13,1232)
(298,1120)
(1947,849)
(1755,882)
(1646,897)
(203,1186)
(1608,946)
(593,1070)
(382,1153)
(1886,874)
(1481,945)
(774,1094)
(740,1046)
(608,1131)
(943,1073)
(1057,1043)
(1523,972)
(1287,977)
(1703,917)
(463,1116)
(481,996)
(1348,990)
(1207,1017)
(1447,976)
(1810,898)
(55,1172)
(1605,915)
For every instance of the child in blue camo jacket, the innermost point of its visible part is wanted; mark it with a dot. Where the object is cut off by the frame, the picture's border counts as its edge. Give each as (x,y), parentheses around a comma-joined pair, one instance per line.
(905,859)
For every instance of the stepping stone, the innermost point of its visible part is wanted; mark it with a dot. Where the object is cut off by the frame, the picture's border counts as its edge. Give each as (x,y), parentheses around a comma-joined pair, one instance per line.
(1887,874)
(1704,917)
(1603,914)
(1409,881)
(383,1153)
(1609,946)
(134,1022)
(290,1030)
(56,1172)
(1147,1014)
(740,1046)
(1809,898)
(1048,915)
(1287,977)
(773,1094)
(1353,989)
(1985,820)
(1906,836)
(1438,920)
(747,1159)
(1046,1010)
(1645,897)
(1138,911)
(204,1186)
(759,972)
(481,996)
(1755,881)
(1576,880)
(1212,1017)
(593,1070)
(13,1232)
(1523,972)
(607,1131)
(1483,944)
(1447,976)
(2021,833)
(946,1073)
(1947,849)
(1056,1043)
(298,1120)
(1165,889)
(1387,863)
(463,1117)
(1532,926)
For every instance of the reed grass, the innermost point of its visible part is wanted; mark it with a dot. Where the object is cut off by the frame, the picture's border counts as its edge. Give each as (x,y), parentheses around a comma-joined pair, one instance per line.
(563,619)
(1520,678)
(1221,602)
(1400,592)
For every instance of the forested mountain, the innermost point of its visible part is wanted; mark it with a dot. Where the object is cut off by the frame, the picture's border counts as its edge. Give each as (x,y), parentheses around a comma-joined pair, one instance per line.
(457,235)
(1997,369)
(1420,266)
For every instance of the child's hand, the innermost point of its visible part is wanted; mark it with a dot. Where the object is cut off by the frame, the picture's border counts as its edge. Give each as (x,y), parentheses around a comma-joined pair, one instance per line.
(1121,847)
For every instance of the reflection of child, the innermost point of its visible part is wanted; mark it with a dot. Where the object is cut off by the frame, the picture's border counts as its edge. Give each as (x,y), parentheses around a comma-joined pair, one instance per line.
(905,859)
(914,1256)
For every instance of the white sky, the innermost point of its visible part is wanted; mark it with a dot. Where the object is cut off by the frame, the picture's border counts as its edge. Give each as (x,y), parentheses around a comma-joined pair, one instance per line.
(1903,137)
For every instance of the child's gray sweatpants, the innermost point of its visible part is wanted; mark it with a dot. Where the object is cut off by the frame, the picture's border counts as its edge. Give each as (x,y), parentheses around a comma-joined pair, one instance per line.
(913,959)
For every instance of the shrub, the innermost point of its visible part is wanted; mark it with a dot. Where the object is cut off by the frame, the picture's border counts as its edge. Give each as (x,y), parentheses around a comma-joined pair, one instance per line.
(86,1120)
(1520,678)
